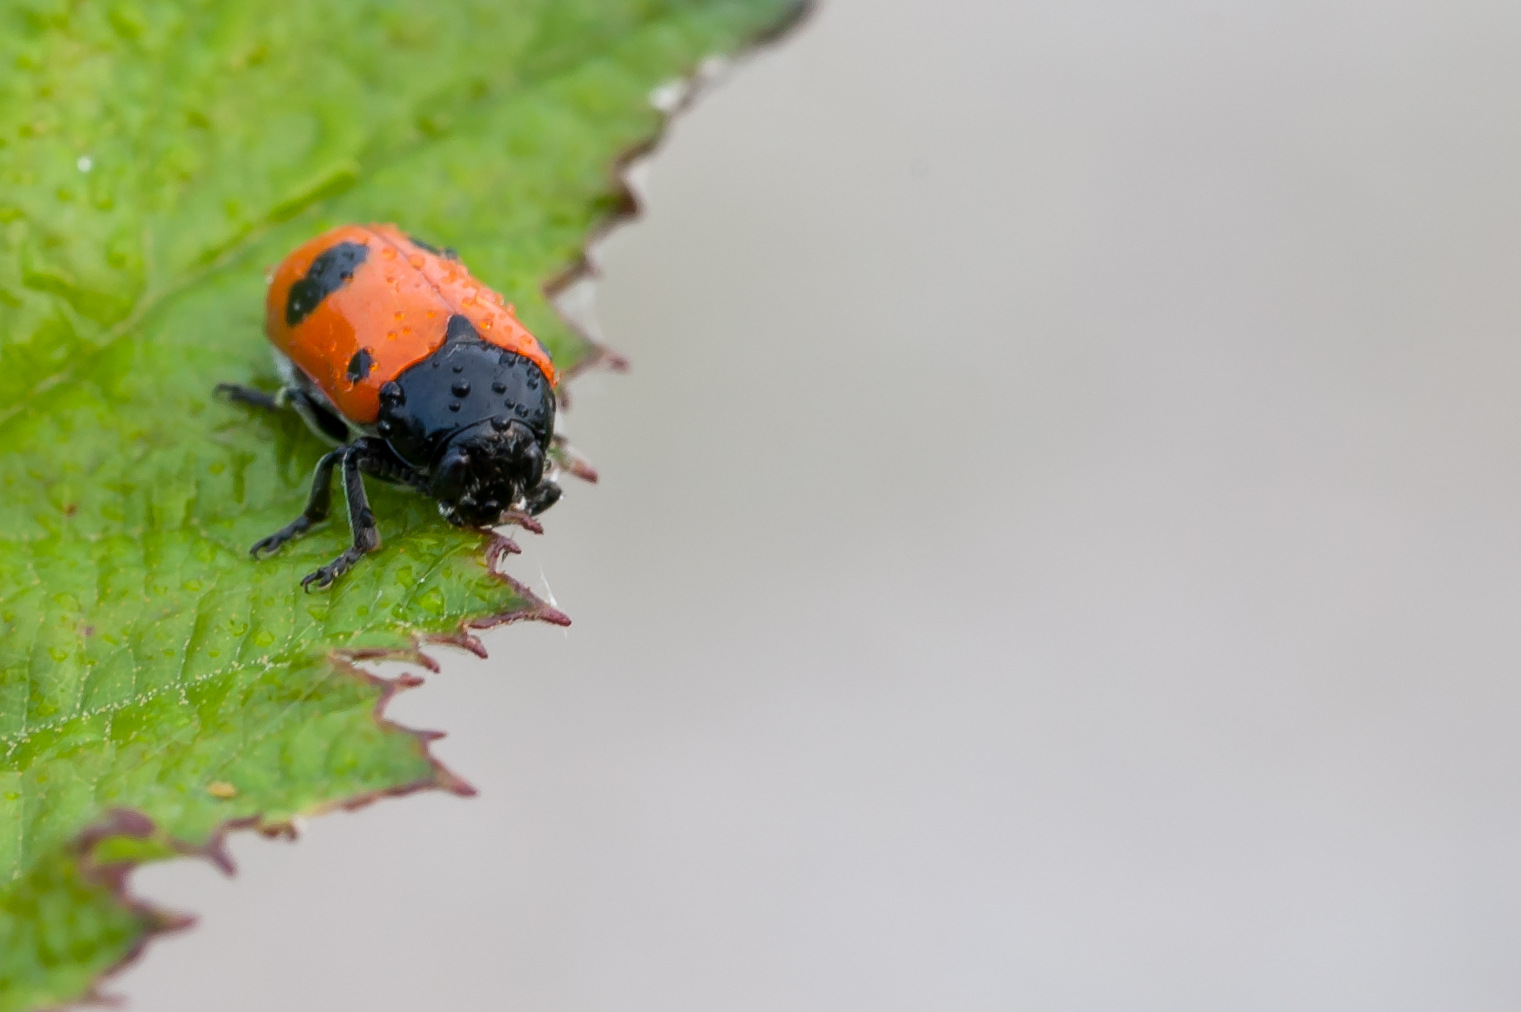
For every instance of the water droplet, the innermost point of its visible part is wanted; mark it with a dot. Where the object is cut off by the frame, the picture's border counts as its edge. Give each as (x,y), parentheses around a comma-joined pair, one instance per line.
(432,601)
(454,405)
(461,388)
(85,163)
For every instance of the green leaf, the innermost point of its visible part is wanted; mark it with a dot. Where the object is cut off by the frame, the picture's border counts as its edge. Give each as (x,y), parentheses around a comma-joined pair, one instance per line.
(156,685)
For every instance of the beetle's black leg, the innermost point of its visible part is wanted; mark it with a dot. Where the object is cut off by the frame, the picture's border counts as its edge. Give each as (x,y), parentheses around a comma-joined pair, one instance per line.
(540,499)
(317,416)
(361,520)
(248,395)
(318,505)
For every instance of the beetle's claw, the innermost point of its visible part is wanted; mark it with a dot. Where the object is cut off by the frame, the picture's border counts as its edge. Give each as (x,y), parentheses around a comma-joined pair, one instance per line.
(277,540)
(266,546)
(323,578)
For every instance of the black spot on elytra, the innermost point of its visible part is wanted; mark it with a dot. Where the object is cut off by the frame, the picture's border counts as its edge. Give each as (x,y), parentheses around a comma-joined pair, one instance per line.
(360,365)
(332,269)
(447,253)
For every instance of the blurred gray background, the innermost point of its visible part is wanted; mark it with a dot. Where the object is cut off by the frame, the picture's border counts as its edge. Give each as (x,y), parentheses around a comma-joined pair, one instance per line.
(1059,549)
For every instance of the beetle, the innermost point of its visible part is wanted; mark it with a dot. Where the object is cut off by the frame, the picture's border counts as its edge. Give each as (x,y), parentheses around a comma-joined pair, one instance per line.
(417,374)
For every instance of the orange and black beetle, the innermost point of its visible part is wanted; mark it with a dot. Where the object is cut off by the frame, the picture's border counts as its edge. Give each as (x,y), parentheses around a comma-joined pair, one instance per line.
(418,372)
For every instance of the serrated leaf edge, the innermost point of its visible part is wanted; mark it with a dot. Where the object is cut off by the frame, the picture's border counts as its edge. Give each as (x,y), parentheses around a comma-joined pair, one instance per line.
(128,822)
(628,205)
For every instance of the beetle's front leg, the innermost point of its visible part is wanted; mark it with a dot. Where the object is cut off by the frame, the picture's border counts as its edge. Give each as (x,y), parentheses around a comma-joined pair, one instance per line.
(318,505)
(541,498)
(361,520)
(240,394)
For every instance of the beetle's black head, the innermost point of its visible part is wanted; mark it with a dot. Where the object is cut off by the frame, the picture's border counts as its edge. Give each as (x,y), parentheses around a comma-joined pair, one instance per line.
(484,469)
